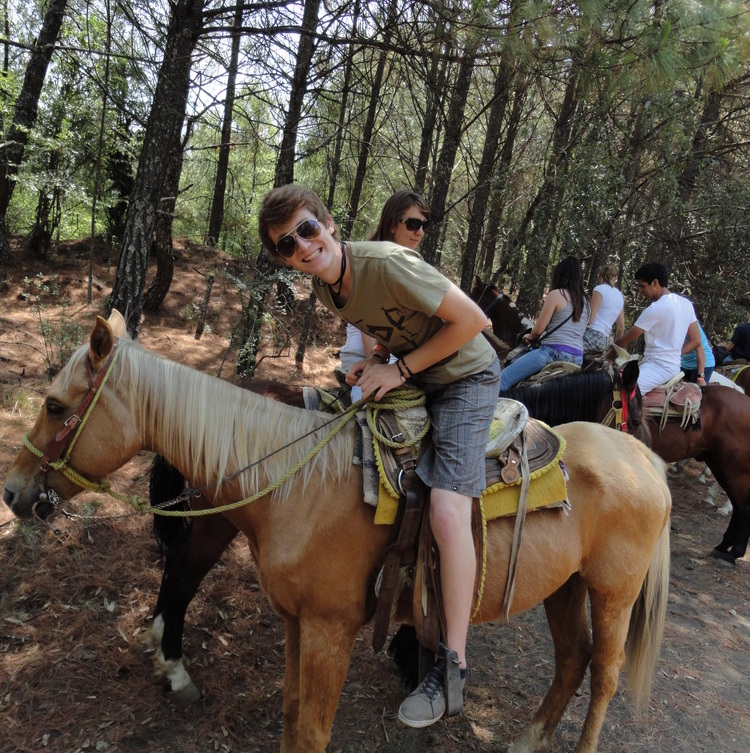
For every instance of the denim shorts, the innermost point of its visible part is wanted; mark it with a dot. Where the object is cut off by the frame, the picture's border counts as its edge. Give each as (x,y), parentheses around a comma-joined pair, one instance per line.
(461,414)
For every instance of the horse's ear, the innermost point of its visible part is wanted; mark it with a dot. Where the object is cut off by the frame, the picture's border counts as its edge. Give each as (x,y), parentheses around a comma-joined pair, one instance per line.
(101,342)
(478,280)
(630,373)
(117,322)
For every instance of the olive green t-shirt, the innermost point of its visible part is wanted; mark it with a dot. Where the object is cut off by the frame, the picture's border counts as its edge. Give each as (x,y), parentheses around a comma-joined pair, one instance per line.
(394,296)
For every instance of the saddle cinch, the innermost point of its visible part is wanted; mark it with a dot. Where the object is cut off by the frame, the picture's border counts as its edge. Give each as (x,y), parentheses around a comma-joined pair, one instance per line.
(522,454)
(673,400)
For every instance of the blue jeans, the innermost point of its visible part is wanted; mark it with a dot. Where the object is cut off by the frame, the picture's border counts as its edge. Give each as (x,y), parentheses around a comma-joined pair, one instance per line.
(691,375)
(532,363)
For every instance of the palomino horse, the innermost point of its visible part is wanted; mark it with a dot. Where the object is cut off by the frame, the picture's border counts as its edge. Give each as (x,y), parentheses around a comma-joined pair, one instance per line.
(508,323)
(190,555)
(128,400)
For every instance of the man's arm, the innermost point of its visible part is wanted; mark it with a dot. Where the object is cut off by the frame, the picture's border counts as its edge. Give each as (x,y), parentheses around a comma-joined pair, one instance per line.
(693,340)
(700,360)
(632,334)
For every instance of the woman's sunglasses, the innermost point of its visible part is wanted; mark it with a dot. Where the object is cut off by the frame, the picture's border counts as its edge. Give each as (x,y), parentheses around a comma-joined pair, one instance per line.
(307,230)
(414,223)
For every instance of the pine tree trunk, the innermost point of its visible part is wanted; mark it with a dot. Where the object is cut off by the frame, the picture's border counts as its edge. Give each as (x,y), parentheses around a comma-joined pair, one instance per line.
(26,110)
(451,141)
(220,184)
(162,131)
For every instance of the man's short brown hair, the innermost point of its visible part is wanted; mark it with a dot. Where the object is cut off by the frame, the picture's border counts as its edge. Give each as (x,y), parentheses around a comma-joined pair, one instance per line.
(280,205)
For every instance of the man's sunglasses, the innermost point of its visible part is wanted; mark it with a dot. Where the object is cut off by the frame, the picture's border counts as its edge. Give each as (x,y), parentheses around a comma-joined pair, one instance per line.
(307,230)
(414,223)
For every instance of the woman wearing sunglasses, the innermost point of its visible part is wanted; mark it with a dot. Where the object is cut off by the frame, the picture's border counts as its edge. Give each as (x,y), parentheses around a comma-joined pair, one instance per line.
(434,329)
(403,220)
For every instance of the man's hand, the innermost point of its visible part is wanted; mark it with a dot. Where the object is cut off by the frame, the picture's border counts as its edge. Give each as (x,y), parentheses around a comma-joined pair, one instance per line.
(379,378)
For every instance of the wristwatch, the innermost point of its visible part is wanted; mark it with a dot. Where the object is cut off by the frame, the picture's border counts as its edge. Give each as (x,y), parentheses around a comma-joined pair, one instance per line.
(380,352)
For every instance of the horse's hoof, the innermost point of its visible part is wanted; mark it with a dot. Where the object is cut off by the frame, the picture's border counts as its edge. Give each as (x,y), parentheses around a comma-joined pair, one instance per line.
(184,696)
(724,556)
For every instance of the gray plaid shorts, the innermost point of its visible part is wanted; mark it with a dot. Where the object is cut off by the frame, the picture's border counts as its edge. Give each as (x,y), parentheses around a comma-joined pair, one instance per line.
(461,415)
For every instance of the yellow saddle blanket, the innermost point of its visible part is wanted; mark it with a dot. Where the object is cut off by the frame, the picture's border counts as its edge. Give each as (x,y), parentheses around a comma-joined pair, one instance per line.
(548,487)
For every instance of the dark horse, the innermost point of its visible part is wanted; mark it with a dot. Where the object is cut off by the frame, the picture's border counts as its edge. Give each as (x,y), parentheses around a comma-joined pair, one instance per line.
(721,439)
(193,546)
(508,323)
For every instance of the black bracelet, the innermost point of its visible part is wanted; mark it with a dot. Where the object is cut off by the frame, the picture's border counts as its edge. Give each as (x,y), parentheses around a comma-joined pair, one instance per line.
(408,370)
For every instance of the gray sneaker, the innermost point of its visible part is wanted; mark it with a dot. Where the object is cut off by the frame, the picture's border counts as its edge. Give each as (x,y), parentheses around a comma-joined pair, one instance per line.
(426,705)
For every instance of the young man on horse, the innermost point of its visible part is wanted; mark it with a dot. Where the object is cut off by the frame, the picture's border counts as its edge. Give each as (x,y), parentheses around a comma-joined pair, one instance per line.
(413,311)
(669,327)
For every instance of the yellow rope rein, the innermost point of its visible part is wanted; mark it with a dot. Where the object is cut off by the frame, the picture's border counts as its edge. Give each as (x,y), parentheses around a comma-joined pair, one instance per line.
(401,398)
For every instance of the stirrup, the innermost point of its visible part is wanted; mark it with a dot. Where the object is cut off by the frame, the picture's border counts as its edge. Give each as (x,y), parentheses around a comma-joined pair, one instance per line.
(454,693)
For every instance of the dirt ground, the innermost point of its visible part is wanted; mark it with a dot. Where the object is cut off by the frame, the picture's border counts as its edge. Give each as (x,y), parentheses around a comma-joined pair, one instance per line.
(75,602)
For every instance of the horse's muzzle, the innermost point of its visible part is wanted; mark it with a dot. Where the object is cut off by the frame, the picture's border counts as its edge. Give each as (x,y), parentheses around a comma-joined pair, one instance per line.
(30,503)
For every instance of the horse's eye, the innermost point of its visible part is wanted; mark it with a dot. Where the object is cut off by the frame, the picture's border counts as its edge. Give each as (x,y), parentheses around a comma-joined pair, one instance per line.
(54,408)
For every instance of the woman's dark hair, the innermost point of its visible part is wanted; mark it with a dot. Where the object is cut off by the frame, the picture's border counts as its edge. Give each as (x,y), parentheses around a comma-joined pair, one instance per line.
(393,212)
(568,275)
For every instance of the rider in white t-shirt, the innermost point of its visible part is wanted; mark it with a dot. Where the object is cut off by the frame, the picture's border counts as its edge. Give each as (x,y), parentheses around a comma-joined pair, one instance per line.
(607,308)
(668,324)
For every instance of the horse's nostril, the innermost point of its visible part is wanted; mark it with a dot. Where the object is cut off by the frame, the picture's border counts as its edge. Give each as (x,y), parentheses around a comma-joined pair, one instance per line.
(8,497)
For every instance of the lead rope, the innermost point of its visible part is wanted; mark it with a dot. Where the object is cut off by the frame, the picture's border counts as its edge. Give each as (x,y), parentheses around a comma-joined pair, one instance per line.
(400,398)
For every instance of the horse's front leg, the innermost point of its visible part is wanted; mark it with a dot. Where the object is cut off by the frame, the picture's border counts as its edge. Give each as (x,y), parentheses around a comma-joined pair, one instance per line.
(312,687)
(187,561)
(290,706)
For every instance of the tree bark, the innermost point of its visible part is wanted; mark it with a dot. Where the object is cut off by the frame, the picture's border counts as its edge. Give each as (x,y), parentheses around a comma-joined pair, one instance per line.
(162,246)
(220,185)
(543,211)
(446,161)
(162,131)
(497,199)
(500,96)
(99,152)
(345,91)
(435,89)
(367,131)
(305,50)
(26,110)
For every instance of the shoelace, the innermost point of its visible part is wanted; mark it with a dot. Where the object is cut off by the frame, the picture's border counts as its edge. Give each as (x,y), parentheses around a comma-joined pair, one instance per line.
(433,683)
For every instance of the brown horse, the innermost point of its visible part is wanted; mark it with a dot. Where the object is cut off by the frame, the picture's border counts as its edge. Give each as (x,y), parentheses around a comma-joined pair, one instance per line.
(212,432)
(721,439)
(190,554)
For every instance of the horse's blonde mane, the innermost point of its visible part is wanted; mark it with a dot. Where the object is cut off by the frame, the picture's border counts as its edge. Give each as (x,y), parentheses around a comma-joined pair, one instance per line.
(210,428)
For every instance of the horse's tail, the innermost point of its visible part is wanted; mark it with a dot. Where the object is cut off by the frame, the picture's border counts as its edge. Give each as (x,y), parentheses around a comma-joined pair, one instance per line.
(167,483)
(647,623)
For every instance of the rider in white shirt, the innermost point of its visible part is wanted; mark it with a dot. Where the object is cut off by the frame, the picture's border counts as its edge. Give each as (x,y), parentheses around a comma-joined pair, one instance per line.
(668,325)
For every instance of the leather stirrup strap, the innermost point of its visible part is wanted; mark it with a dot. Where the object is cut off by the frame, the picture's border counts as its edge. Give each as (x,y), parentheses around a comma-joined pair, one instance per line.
(403,547)
(426,601)
(518,529)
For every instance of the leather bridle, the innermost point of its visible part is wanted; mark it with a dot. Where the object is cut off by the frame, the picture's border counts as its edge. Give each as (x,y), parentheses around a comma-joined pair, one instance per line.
(56,454)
